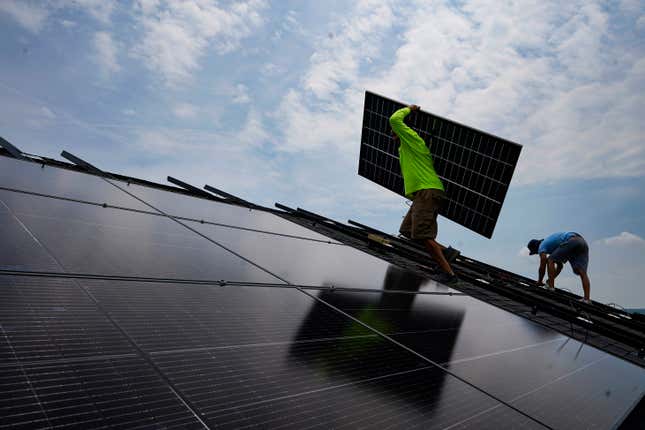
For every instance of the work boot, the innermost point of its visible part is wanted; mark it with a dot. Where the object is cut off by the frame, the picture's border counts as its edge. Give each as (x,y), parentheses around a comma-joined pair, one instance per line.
(446,278)
(450,254)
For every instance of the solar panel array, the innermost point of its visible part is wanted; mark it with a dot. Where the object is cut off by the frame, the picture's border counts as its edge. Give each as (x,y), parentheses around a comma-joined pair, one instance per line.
(475,167)
(114,314)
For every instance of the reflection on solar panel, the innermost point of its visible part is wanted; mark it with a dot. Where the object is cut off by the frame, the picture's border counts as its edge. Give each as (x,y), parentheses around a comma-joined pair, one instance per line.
(475,167)
(113,314)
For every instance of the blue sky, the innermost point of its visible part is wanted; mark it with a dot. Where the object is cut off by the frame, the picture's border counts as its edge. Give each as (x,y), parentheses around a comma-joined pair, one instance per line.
(264,99)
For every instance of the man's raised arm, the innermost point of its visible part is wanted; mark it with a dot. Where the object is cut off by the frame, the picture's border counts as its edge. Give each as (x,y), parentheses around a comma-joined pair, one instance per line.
(397,124)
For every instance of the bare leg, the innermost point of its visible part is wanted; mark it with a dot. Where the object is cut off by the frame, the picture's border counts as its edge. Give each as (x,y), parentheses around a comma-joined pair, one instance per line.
(550,266)
(437,254)
(558,269)
(586,284)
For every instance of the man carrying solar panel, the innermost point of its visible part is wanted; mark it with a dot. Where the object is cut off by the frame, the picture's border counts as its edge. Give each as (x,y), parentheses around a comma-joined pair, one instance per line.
(556,250)
(425,189)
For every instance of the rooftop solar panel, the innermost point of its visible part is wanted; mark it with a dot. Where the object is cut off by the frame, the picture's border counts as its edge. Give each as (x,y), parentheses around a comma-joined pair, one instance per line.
(475,167)
(337,265)
(112,241)
(221,213)
(44,179)
(104,352)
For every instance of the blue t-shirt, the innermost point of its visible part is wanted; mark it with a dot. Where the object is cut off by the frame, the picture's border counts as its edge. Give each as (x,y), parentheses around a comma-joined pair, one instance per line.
(549,244)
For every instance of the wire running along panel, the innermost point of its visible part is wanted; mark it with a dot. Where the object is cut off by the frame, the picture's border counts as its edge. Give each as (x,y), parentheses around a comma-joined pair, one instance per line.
(475,167)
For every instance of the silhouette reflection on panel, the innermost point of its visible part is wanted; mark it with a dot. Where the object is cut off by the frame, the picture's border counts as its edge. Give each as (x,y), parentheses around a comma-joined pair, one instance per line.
(390,313)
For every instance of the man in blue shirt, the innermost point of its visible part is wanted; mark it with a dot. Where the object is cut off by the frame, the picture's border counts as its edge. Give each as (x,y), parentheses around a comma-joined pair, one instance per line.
(556,250)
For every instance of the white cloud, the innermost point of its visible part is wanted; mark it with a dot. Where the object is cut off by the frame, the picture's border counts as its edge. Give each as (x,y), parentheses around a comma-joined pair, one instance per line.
(177,34)
(34,115)
(47,113)
(33,17)
(253,133)
(245,140)
(157,142)
(306,128)
(290,26)
(523,252)
(640,24)
(623,239)
(185,110)
(270,70)
(337,60)
(147,6)
(631,6)
(29,16)
(228,160)
(106,53)
(241,94)
(100,10)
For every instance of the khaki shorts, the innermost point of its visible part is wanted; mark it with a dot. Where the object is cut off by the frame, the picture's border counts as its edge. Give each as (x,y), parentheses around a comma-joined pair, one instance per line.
(420,223)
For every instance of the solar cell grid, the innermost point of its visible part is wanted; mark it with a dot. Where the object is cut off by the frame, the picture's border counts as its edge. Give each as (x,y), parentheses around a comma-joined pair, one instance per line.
(52,319)
(475,167)
(117,393)
(163,318)
(342,384)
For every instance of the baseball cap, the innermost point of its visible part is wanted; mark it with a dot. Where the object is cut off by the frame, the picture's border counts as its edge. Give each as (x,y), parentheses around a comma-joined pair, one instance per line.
(533,246)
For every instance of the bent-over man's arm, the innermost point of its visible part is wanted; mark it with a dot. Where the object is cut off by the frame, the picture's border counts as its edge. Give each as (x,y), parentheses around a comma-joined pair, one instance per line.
(542,269)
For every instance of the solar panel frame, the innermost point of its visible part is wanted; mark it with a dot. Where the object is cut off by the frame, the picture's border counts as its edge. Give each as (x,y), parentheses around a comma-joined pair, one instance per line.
(475,167)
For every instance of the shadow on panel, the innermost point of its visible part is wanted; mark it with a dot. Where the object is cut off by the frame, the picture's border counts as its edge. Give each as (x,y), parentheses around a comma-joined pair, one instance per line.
(372,309)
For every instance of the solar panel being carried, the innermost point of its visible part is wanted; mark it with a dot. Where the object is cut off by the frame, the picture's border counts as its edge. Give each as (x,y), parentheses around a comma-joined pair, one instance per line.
(475,167)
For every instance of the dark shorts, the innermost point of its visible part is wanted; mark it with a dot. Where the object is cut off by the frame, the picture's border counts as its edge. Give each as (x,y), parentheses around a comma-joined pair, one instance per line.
(574,250)
(420,223)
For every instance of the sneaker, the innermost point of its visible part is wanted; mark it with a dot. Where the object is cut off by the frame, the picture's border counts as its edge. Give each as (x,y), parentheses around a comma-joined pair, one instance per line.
(583,300)
(450,254)
(446,278)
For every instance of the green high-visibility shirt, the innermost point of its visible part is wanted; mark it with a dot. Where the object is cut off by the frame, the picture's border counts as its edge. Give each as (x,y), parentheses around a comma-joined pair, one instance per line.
(414,156)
